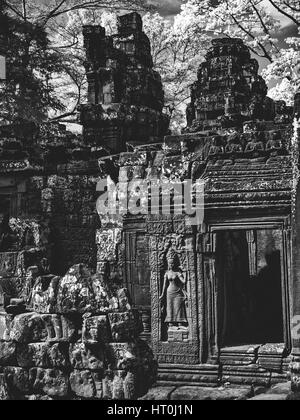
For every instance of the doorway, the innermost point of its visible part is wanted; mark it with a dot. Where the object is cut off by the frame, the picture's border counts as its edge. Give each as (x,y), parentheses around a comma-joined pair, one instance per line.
(249,287)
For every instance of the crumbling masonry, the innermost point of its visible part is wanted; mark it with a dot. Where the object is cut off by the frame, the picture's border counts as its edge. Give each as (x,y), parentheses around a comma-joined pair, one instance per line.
(87,334)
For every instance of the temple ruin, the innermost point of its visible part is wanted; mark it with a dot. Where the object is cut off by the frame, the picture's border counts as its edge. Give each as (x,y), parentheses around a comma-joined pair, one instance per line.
(152,294)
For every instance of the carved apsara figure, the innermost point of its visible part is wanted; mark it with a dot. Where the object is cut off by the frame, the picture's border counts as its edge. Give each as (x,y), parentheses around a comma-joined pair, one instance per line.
(175,294)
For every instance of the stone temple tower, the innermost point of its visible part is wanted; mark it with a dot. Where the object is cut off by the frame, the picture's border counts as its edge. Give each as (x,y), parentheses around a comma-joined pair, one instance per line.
(229,90)
(125,94)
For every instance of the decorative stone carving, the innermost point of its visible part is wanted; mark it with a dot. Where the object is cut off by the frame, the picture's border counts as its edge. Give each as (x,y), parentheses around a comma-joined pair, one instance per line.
(174,294)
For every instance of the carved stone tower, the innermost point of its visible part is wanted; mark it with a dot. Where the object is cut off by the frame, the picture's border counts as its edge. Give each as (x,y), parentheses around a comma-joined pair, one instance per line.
(125,94)
(229,90)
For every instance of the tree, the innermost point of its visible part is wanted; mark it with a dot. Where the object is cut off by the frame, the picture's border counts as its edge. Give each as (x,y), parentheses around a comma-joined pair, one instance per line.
(27,93)
(42,12)
(177,52)
(45,76)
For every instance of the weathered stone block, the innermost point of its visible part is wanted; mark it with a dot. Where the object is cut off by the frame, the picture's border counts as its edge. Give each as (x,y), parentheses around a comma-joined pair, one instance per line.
(52,382)
(4,395)
(98,381)
(87,357)
(28,328)
(38,398)
(18,381)
(124,300)
(75,292)
(5,326)
(130,386)
(107,385)
(212,394)
(43,355)
(96,330)
(118,386)
(7,353)
(125,326)
(82,384)
(36,328)
(44,294)
(122,356)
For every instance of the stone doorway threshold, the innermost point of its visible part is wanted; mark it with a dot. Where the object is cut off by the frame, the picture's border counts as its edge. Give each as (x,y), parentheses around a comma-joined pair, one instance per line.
(280,392)
(250,365)
(271,356)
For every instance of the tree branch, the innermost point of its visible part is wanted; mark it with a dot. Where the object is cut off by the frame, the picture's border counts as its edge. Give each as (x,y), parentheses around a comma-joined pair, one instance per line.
(291,7)
(67,114)
(96,4)
(263,48)
(50,15)
(13,10)
(288,15)
(24,10)
(266,30)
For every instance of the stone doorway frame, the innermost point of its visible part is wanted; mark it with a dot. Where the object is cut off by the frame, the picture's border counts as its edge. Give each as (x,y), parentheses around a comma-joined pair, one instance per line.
(272,223)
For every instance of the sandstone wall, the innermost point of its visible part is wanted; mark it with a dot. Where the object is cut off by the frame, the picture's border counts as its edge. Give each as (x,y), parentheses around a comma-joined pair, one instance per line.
(80,341)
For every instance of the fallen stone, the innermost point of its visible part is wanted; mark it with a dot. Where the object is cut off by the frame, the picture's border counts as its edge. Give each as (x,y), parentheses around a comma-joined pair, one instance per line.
(4,395)
(82,384)
(5,326)
(118,386)
(281,389)
(211,394)
(96,330)
(37,328)
(98,381)
(122,356)
(38,398)
(7,353)
(18,381)
(269,397)
(44,294)
(125,326)
(75,293)
(52,382)
(28,328)
(43,355)
(162,393)
(87,357)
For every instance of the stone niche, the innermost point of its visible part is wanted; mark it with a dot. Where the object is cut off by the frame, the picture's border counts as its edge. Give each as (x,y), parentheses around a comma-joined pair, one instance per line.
(175,334)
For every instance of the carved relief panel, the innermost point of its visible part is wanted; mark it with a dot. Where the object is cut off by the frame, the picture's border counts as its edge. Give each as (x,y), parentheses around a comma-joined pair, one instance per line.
(174,291)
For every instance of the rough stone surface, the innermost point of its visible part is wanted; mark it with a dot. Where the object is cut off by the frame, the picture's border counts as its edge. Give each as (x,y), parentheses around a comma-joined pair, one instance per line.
(7,353)
(211,394)
(82,384)
(159,394)
(51,382)
(43,355)
(88,356)
(270,397)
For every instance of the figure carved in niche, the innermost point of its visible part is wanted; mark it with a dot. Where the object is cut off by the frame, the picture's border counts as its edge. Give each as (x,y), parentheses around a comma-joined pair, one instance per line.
(174,294)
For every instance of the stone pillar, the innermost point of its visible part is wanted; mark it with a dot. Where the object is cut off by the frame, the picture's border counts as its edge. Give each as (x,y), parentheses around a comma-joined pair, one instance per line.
(295,365)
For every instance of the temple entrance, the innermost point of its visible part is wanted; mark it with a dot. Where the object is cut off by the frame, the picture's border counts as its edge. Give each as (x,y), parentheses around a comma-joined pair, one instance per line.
(249,297)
